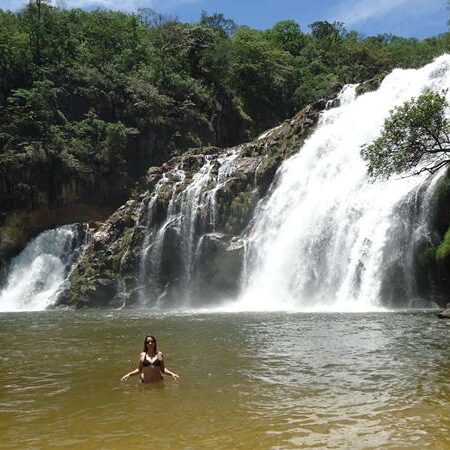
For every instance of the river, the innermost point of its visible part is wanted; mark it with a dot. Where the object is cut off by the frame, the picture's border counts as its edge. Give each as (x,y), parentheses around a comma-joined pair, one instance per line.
(248,380)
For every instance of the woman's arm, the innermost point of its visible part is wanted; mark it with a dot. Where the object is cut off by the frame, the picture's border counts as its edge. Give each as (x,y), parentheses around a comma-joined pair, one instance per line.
(135,371)
(165,370)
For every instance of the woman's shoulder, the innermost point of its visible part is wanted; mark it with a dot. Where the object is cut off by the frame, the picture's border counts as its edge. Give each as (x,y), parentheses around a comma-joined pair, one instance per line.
(160,355)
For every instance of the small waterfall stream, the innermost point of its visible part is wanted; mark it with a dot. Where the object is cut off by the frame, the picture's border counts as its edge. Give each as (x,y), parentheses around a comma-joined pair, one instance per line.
(191,212)
(36,275)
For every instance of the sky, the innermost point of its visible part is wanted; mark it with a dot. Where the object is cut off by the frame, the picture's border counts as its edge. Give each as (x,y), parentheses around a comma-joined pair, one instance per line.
(408,18)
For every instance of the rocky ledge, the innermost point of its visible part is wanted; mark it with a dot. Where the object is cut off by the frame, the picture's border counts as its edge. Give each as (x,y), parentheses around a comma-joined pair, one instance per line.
(184,229)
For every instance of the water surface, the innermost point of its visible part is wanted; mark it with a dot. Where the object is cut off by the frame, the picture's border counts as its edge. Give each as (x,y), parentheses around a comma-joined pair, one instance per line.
(260,381)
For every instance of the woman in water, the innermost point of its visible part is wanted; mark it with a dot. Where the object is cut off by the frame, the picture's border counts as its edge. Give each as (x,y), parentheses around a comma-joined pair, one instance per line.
(151,364)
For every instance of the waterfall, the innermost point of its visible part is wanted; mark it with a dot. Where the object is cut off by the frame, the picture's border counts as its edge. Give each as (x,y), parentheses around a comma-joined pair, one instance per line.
(36,275)
(191,213)
(192,199)
(328,238)
(150,254)
(324,238)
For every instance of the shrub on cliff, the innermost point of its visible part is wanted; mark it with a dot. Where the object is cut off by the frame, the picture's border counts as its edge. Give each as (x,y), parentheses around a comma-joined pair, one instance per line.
(415,138)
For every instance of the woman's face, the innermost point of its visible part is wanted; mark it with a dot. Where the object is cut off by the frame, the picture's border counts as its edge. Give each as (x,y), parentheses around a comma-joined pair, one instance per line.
(150,343)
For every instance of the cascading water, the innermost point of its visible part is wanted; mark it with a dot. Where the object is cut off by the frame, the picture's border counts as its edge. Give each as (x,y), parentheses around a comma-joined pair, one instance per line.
(36,275)
(191,212)
(227,166)
(150,255)
(327,238)
(192,198)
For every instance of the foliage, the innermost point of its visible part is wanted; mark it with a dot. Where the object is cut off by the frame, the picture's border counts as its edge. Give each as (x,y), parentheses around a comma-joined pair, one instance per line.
(415,138)
(443,249)
(91,94)
(326,30)
(441,201)
(218,22)
(288,36)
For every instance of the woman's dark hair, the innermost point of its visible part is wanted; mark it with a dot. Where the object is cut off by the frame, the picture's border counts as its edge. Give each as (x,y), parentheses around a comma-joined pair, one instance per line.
(145,343)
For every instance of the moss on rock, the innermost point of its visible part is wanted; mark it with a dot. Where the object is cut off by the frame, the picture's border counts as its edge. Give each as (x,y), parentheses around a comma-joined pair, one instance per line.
(443,249)
(240,212)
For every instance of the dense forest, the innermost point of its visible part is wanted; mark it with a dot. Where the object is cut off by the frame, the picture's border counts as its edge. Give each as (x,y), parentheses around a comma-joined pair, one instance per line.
(101,95)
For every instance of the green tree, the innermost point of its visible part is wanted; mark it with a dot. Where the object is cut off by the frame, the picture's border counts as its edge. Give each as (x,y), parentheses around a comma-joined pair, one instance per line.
(15,56)
(75,85)
(29,112)
(218,21)
(264,76)
(327,30)
(153,19)
(94,142)
(288,36)
(415,138)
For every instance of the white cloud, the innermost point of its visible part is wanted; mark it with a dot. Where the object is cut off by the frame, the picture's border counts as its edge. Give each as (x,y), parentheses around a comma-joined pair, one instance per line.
(122,5)
(353,12)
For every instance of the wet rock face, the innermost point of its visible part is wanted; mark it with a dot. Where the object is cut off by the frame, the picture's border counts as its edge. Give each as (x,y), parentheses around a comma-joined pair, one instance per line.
(94,277)
(370,85)
(181,240)
(39,203)
(219,265)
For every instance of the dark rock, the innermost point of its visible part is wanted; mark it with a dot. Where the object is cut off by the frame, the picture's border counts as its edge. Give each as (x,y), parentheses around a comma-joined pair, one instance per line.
(153,175)
(98,293)
(191,162)
(64,295)
(172,258)
(333,103)
(370,85)
(266,173)
(219,266)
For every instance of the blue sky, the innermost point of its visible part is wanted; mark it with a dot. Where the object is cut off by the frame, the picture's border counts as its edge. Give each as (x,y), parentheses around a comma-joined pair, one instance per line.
(410,18)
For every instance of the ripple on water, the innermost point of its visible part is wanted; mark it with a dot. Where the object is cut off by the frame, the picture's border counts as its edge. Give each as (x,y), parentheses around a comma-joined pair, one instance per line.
(249,381)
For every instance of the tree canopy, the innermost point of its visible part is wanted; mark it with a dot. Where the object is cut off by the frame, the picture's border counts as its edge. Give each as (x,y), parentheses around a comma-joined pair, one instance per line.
(155,87)
(415,139)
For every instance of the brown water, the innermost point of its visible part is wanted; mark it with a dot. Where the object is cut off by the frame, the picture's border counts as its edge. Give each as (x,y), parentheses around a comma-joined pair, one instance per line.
(248,381)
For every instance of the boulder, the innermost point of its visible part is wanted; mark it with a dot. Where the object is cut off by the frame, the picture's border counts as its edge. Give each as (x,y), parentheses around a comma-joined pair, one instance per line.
(100,292)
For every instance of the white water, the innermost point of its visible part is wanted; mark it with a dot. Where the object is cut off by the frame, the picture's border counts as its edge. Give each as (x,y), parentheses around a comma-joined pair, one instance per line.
(192,198)
(327,238)
(36,275)
(192,212)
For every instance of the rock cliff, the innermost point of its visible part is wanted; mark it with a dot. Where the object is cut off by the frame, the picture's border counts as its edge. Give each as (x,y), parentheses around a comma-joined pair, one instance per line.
(181,235)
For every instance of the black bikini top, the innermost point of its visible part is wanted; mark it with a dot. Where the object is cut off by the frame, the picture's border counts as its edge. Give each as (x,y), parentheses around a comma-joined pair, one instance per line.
(148,362)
